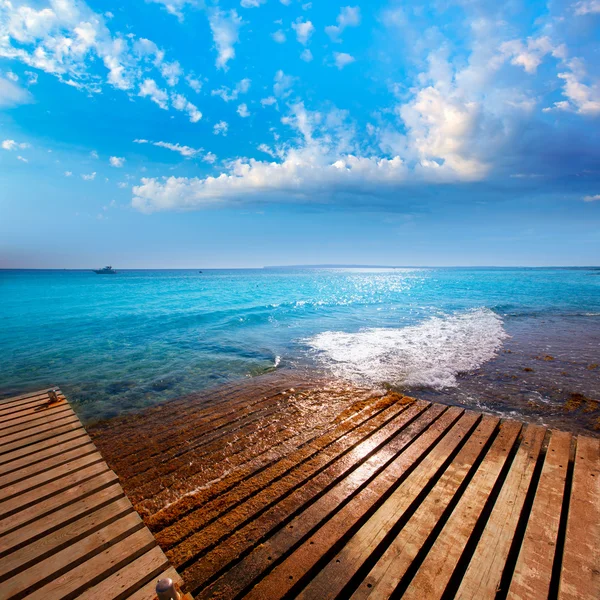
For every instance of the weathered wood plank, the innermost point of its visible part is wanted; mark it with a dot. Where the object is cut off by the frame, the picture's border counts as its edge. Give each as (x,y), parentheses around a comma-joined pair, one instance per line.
(45,416)
(533,571)
(149,590)
(65,560)
(7,441)
(43,518)
(580,572)
(129,579)
(355,470)
(393,563)
(31,414)
(22,407)
(335,575)
(31,476)
(483,575)
(57,540)
(13,399)
(46,443)
(73,424)
(24,501)
(50,480)
(99,567)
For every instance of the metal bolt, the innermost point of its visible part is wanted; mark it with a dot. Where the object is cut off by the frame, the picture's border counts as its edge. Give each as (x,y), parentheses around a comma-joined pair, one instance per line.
(166,589)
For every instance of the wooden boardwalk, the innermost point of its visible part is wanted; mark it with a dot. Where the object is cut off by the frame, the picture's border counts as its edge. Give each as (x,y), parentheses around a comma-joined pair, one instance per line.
(395,498)
(67,529)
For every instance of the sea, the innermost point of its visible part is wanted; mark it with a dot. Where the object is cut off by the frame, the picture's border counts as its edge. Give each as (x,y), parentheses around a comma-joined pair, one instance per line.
(519,342)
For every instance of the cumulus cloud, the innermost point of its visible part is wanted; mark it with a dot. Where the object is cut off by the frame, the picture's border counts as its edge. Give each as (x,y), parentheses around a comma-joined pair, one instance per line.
(349,17)
(591,198)
(194,83)
(11,94)
(251,3)
(12,145)
(225,27)
(70,41)
(530,54)
(587,7)
(268,101)
(341,59)
(175,7)
(243,111)
(220,128)
(279,36)
(306,55)
(149,89)
(228,94)
(116,161)
(89,177)
(303,29)
(180,102)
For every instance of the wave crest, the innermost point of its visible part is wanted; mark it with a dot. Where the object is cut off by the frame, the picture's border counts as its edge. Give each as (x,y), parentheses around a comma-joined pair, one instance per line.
(430,354)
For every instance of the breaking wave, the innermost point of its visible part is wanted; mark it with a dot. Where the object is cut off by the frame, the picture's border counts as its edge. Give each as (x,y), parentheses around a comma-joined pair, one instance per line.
(430,354)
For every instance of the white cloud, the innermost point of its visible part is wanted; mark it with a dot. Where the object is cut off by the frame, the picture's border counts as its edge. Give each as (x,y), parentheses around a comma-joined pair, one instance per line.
(185,151)
(285,2)
(210,158)
(279,36)
(194,83)
(140,141)
(22,159)
(122,185)
(306,55)
(32,78)
(228,94)
(175,7)
(225,28)
(342,59)
(591,198)
(89,177)
(180,102)
(116,161)
(303,29)
(12,95)
(12,145)
(243,111)
(68,173)
(587,7)
(581,97)
(157,95)
(282,87)
(220,128)
(171,71)
(349,17)
(251,3)
(12,76)
(269,101)
(93,154)
(529,55)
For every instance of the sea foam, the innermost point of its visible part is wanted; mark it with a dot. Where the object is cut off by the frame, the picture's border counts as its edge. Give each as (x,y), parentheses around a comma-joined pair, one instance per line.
(430,354)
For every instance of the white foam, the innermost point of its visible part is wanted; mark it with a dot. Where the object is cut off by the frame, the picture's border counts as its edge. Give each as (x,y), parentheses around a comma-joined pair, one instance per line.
(430,354)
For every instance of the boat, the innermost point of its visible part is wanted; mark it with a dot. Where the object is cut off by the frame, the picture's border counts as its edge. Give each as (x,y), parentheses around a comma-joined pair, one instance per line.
(105,271)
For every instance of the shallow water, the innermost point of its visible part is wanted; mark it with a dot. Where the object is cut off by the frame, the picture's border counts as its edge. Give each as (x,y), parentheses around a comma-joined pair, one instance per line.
(116,343)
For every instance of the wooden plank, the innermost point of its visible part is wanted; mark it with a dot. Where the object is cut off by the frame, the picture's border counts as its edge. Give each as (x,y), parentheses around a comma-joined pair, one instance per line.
(74,582)
(45,454)
(24,501)
(32,478)
(403,549)
(439,564)
(148,592)
(482,577)
(46,443)
(533,571)
(130,578)
(25,405)
(72,425)
(46,415)
(24,437)
(13,399)
(43,518)
(580,572)
(335,575)
(365,462)
(14,418)
(57,540)
(65,560)
(329,583)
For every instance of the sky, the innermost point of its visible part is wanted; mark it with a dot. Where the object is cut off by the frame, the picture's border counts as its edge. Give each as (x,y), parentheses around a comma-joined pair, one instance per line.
(244,133)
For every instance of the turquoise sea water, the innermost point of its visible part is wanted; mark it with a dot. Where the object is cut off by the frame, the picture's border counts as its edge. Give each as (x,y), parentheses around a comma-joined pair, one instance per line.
(121,342)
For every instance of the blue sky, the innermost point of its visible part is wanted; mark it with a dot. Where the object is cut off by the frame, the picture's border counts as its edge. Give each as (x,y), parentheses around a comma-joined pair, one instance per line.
(181,133)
